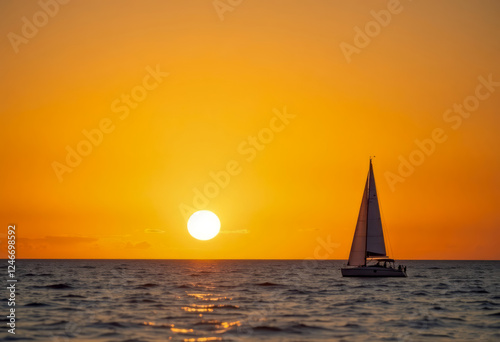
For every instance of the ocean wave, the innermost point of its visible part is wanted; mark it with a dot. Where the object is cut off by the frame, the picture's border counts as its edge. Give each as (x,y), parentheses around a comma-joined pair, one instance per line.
(302,326)
(36,304)
(479,291)
(436,335)
(60,286)
(146,286)
(268,284)
(320,308)
(61,322)
(109,325)
(266,328)
(295,291)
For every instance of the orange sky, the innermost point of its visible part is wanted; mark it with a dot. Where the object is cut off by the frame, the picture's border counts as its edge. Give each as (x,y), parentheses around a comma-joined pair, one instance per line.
(232,79)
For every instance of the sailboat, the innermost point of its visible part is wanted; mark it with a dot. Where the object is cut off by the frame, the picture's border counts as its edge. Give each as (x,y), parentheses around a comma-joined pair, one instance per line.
(368,257)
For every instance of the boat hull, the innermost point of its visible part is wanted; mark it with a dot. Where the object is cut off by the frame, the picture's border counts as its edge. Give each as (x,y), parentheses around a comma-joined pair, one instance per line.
(372,271)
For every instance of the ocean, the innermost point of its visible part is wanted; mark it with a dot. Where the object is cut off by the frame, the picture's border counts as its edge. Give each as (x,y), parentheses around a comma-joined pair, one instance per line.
(249,300)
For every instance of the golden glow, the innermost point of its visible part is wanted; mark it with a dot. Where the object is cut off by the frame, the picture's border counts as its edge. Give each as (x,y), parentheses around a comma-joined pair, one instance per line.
(208,296)
(198,308)
(303,187)
(203,225)
(181,331)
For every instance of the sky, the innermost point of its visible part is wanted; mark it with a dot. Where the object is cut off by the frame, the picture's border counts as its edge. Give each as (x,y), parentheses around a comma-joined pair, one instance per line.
(121,118)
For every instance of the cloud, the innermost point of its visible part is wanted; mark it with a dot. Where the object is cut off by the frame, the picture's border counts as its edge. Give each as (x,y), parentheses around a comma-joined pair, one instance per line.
(53,242)
(69,239)
(140,245)
(153,231)
(54,239)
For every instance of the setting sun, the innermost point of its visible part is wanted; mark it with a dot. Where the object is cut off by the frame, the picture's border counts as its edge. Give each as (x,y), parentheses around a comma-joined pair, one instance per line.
(133,129)
(203,225)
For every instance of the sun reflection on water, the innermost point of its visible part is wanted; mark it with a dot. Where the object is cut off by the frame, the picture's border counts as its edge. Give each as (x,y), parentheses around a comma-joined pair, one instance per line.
(205,303)
(181,331)
(188,309)
(208,296)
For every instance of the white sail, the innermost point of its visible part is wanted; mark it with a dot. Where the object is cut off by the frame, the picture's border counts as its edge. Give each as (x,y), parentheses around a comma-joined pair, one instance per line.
(368,238)
(357,256)
(368,241)
(375,245)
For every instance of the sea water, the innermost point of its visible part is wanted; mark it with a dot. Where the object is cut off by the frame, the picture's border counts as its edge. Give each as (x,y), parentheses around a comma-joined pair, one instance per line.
(246,300)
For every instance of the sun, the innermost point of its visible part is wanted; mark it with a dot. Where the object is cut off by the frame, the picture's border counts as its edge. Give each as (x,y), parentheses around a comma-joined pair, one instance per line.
(203,225)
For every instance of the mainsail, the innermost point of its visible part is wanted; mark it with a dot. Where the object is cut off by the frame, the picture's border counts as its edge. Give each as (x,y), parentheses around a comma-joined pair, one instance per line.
(368,238)
(375,245)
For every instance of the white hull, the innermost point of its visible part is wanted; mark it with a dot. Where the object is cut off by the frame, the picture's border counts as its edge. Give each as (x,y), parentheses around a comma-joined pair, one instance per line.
(372,271)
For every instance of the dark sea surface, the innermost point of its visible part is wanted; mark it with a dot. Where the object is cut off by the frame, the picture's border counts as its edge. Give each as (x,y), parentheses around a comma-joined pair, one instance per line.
(161,300)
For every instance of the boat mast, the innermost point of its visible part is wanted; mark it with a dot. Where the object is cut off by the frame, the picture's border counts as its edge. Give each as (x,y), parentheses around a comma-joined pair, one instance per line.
(367,208)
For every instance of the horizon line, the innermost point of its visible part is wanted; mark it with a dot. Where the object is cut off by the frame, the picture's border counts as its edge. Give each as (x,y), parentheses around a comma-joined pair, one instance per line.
(232,259)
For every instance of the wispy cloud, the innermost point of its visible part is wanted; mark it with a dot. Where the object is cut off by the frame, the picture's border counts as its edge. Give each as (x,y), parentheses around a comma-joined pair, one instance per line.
(70,239)
(60,239)
(140,245)
(53,242)
(154,231)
